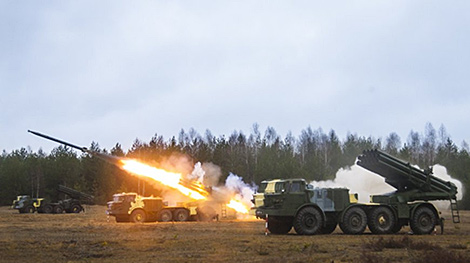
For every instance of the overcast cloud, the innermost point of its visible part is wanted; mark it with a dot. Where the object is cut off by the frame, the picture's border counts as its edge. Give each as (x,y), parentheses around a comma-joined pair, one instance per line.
(113,71)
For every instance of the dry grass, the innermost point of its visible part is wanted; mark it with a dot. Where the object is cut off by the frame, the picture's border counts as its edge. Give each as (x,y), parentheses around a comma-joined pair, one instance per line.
(88,237)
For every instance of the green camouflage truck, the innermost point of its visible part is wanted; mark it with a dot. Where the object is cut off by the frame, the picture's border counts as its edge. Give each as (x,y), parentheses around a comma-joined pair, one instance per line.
(295,203)
(27,204)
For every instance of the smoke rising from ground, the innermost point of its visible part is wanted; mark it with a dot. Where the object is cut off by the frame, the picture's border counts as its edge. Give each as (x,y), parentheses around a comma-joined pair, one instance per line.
(234,188)
(243,192)
(365,183)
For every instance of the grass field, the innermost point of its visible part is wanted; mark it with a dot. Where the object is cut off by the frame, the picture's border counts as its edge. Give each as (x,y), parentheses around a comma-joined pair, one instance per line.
(88,237)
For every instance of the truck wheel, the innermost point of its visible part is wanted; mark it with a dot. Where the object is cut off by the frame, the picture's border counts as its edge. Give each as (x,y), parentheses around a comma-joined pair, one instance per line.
(423,221)
(76,208)
(308,221)
(381,220)
(138,216)
(328,228)
(58,209)
(279,225)
(181,215)
(29,209)
(165,216)
(47,209)
(354,221)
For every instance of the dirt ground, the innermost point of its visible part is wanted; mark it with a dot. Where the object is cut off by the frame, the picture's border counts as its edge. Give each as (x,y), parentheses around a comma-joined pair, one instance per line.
(89,237)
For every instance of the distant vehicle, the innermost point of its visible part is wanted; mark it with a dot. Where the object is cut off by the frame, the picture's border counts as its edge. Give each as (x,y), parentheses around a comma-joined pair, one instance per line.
(131,207)
(26,204)
(294,203)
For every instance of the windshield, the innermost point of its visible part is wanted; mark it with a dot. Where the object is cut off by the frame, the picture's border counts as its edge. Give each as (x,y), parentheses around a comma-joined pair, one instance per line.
(279,187)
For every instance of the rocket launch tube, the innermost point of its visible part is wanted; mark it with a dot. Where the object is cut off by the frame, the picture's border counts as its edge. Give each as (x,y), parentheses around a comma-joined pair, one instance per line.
(83,149)
(116,160)
(105,157)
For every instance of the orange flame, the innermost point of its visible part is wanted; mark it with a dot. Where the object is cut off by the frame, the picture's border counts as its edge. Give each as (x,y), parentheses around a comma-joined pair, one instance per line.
(195,189)
(238,206)
(169,179)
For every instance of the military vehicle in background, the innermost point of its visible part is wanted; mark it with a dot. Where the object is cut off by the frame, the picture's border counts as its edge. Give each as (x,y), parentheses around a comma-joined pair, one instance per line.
(294,203)
(26,204)
(131,207)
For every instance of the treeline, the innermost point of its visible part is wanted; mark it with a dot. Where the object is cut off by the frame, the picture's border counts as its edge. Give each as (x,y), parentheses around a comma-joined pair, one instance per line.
(313,155)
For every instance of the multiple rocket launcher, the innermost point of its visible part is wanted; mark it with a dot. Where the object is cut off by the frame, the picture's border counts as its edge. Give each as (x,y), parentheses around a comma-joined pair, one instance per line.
(118,161)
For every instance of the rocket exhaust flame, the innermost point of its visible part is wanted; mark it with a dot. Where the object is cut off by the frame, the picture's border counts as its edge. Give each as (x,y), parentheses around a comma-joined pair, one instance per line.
(169,179)
(238,206)
(190,188)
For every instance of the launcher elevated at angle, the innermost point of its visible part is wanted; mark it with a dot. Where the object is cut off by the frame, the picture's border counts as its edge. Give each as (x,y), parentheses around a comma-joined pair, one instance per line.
(294,203)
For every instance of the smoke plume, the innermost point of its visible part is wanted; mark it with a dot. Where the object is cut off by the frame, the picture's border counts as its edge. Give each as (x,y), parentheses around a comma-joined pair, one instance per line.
(243,192)
(365,183)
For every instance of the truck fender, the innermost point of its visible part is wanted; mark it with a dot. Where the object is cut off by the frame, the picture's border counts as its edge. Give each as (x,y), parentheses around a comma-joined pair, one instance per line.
(314,206)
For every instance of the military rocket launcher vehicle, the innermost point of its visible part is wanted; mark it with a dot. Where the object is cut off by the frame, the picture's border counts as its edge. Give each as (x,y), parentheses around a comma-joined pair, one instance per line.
(27,204)
(295,203)
(118,161)
(131,207)
(412,184)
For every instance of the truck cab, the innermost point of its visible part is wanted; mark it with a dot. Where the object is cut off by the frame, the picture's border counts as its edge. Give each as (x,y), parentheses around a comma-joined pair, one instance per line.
(294,202)
(26,204)
(281,197)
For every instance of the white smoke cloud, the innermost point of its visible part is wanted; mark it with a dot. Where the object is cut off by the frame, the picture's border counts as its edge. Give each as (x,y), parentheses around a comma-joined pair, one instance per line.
(234,188)
(212,174)
(243,192)
(197,173)
(207,173)
(357,180)
(365,183)
(441,172)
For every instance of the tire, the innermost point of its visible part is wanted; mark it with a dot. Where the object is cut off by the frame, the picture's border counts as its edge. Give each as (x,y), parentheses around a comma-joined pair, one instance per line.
(29,209)
(58,209)
(138,216)
(181,215)
(328,228)
(308,221)
(47,209)
(354,221)
(76,208)
(165,216)
(382,220)
(279,225)
(423,221)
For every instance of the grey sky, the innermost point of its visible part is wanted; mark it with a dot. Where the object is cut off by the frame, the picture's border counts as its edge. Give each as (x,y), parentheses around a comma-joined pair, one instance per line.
(113,71)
